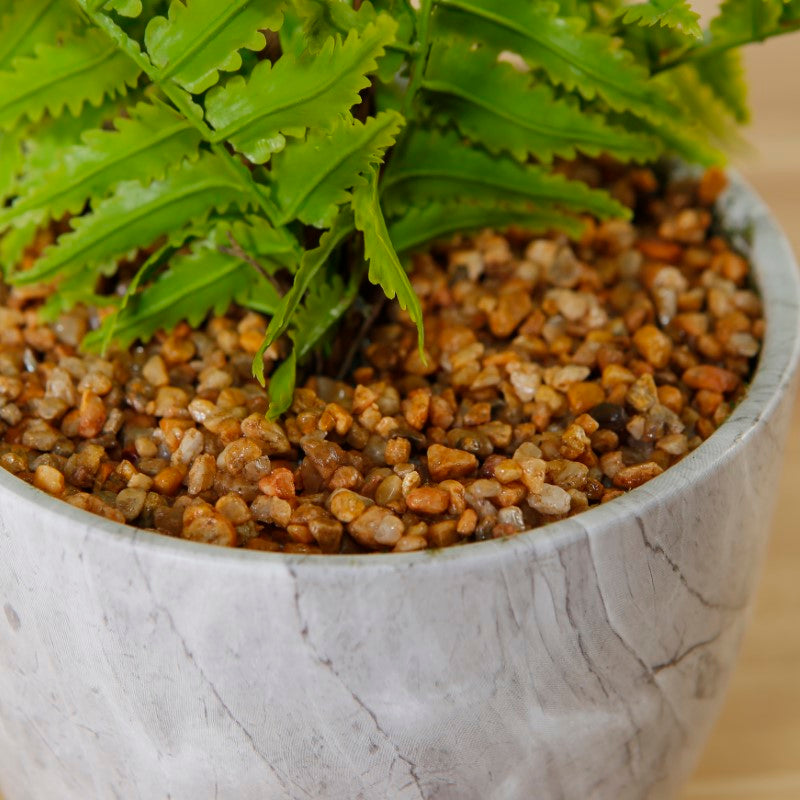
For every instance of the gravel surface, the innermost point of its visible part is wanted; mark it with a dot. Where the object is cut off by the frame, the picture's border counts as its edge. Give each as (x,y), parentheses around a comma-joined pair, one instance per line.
(557,376)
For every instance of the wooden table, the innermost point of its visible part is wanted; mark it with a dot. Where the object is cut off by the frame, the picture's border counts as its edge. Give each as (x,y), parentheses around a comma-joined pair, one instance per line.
(754,752)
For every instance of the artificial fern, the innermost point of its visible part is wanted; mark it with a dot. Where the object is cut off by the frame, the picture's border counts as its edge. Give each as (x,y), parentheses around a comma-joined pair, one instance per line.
(219,146)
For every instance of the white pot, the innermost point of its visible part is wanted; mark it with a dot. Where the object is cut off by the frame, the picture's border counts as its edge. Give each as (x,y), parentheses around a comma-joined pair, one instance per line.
(585,661)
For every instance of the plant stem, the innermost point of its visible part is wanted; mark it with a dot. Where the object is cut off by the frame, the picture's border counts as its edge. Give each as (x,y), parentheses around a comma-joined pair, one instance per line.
(706,50)
(237,251)
(421,59)
(366,325)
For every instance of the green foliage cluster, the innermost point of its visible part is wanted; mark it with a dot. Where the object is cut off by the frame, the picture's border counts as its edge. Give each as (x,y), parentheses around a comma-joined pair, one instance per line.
(231,148)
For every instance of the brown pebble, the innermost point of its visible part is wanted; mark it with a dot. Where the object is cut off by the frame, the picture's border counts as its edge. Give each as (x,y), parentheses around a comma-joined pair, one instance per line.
(428,500)
(445,463)
(636,475)
(213,529)
(347,506)
(715,379)
(279,483)
(49,479)
(169,480)
(92,415)
(654,345)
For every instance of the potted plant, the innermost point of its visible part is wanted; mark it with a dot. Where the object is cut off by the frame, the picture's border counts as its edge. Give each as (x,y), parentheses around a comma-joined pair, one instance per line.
(162,163)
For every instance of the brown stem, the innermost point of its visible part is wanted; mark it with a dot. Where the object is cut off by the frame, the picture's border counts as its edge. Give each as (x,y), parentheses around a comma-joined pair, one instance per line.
(237,251)
(366,325)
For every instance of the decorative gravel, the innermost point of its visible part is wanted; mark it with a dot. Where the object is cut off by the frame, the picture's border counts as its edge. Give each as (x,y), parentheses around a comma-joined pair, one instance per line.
(558,376)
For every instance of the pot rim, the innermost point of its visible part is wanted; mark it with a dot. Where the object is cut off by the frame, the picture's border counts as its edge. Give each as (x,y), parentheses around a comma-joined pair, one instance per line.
(778,280)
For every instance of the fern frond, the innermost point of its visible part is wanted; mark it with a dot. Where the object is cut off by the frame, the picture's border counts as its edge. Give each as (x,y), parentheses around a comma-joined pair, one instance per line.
(202,37)
(790,14)
(591,62)
(745,20)
(325,304)
(82,70)
(194,284)
(688,142)
(32,22)
(432,166)
(281,384)
(710,116)
(78,288)
(13,245)
(421,226)
(677,15)
(143,147)
(46,140)
(11,162)
(274,248)
(135,216)
(385,268)
(311,178)
(296,93)
(723,73)
(505,109)
(312,262)
(321,19)
(125,8)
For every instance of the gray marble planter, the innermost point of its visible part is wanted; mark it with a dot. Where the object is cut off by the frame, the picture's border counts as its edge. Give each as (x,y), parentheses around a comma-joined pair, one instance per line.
(585,661)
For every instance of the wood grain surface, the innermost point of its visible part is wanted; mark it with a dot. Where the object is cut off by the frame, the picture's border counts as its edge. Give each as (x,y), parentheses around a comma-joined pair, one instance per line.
(754,751)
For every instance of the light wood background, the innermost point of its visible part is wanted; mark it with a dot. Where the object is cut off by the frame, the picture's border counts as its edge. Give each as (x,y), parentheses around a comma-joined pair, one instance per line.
(754,752)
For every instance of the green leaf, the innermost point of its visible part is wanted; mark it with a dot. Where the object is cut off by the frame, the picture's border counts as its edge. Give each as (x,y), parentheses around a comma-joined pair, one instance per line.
(505,109)
(723,73)
(202,280)
(152,264)
(745,20)
(204,36)
(264,242)
(31,22)
(13,244)
(312,263)
(11,159)
(385,268)
(281,385)
(325,304)
(321,19)
(45,141)
(433,166)
(590,62)
(82,69)
(688,142)
(135,216)
(125,8)
(144,146)
(296,93)
(676,15)
(791,12)
(421,226)
(710,116)
(311,178)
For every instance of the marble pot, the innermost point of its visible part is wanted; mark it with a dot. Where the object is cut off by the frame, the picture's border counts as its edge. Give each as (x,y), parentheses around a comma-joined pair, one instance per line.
(583,661)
